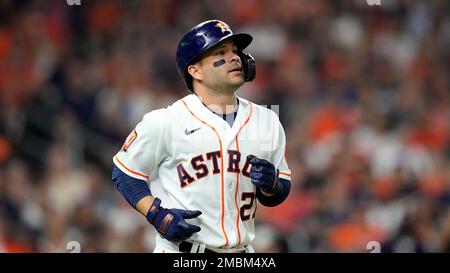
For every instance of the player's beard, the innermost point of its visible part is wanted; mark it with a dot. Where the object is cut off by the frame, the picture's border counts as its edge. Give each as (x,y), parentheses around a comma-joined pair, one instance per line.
(236,78)
(227,84)
(221,80)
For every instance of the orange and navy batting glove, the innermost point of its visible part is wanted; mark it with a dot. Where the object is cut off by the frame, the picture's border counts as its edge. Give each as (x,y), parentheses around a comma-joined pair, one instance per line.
(170,223)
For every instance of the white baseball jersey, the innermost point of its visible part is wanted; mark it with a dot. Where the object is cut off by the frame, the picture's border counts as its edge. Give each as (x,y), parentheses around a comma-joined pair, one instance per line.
(193,160)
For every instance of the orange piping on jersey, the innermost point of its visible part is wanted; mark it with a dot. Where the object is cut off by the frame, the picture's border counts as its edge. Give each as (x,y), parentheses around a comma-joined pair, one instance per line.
(237,177)
(236,203)
(288,174)
(130,170)
(221,170)
(285,159)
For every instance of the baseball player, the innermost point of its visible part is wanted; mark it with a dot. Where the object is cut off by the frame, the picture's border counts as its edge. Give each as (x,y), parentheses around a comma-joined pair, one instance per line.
(197,168)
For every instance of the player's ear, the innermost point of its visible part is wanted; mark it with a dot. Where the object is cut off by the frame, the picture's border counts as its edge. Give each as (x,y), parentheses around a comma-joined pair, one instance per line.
(195,71)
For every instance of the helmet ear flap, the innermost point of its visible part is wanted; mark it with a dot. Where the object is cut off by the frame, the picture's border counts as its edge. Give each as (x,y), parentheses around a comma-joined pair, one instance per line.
(249,66)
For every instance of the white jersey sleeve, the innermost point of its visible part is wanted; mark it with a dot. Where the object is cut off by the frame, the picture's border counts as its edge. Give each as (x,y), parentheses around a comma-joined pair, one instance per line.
(144,148)
(278,157)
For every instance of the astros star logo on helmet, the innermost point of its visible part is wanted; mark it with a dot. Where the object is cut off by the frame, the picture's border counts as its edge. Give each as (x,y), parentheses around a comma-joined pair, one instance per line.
(224,27)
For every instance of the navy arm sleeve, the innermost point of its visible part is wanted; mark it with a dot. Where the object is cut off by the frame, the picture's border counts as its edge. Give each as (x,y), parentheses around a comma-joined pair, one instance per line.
(281,193)
(132,189)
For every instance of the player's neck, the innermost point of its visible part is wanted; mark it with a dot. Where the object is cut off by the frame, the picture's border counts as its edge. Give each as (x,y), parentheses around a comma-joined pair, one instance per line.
(219,103)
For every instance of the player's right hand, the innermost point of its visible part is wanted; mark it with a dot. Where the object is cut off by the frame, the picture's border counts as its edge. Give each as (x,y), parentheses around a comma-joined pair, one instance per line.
(171,224)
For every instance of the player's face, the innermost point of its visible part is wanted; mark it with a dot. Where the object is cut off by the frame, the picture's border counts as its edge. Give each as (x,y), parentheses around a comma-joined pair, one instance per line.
(222,68)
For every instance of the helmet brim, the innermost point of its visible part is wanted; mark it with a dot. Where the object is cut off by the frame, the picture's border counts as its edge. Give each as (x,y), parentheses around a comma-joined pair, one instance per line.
(242,40)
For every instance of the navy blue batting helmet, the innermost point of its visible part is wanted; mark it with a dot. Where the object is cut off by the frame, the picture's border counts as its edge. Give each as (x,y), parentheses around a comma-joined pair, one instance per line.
(206,35)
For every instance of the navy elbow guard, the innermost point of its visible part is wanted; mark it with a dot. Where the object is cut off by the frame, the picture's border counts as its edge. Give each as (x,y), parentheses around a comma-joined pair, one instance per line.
(132,189)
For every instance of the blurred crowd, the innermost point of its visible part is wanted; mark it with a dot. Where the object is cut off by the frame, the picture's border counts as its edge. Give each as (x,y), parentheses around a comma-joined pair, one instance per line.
(363,93)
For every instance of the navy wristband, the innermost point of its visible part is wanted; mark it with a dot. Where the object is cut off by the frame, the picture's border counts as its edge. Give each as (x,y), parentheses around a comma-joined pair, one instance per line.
(153,209)
(282,190)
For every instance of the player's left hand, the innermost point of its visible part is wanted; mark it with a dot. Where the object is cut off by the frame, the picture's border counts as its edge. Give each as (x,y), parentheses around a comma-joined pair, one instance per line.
(263,174)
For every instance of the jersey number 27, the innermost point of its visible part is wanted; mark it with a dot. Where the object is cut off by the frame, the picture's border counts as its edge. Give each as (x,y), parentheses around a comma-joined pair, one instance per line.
(245,196)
